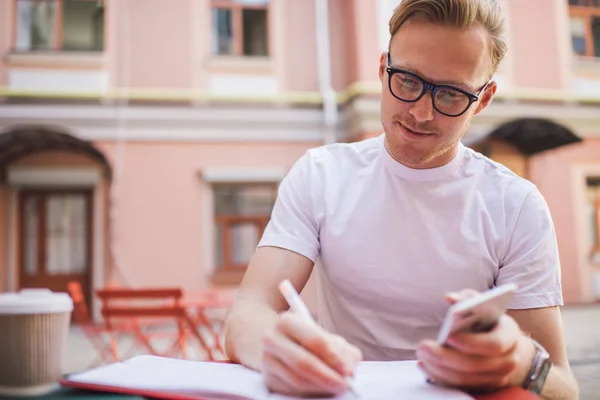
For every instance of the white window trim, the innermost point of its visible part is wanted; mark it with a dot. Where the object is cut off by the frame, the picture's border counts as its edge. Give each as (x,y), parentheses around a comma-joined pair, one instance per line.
(243,175)
(579,175)
(11,241)
(215,175)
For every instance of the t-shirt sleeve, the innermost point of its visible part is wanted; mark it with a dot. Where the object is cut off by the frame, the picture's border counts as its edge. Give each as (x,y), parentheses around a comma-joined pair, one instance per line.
(293,225)
(532,260)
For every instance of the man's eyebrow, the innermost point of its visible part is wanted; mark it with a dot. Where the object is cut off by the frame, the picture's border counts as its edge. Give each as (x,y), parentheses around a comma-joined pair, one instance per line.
(461,84)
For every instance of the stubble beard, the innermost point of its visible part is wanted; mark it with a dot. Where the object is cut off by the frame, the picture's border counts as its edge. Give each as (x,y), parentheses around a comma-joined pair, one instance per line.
(414,154)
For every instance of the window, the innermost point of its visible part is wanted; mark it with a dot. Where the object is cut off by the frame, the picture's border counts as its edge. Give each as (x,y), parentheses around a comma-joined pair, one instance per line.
(59,25)
(585,27)
(242,212)
(593,185)
(240,27)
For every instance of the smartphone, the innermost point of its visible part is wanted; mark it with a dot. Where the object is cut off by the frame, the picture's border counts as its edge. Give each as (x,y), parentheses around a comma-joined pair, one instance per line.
(477,314)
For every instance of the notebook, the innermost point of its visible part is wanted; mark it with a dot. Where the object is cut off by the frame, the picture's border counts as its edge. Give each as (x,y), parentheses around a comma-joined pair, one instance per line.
(168,378)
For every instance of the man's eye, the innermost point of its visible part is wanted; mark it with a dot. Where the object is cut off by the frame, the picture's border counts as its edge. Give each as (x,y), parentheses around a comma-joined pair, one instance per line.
(450,94)
(409,82)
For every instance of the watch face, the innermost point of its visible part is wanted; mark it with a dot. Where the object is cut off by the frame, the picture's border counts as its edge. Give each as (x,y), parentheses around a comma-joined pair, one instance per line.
(538,383)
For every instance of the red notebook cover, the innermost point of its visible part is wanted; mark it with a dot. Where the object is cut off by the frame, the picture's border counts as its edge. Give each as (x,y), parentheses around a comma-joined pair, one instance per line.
(506,394)
(156,394)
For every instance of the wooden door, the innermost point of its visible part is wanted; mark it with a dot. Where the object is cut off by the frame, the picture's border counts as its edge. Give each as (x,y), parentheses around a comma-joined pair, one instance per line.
(55,239)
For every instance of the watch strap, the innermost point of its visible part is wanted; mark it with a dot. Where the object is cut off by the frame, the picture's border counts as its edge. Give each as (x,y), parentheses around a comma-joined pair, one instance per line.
(538,371)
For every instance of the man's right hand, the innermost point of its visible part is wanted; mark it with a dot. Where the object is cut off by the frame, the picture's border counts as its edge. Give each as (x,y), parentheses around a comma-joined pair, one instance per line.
(302,359)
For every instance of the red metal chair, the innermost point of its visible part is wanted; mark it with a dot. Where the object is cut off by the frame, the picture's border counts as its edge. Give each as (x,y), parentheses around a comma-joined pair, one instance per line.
(132,304)
(102,339)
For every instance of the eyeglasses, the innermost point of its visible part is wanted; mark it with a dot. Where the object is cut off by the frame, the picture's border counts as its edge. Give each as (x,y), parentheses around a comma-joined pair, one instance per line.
(447,100)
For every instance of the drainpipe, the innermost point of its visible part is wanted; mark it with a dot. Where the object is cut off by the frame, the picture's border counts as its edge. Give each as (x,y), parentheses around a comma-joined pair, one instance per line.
(328,94)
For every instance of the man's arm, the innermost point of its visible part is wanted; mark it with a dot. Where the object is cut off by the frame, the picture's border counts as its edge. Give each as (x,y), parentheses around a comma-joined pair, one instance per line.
(296,357)
(259,302)
(545,326)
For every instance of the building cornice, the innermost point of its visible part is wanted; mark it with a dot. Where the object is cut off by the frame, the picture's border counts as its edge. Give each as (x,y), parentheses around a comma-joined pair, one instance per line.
(363,115)
(183,123)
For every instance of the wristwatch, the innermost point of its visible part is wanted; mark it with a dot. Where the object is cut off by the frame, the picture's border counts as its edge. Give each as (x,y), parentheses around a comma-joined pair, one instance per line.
(540,367)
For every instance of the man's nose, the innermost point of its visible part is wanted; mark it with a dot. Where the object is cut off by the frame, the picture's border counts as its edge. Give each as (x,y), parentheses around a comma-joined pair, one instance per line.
(422,109)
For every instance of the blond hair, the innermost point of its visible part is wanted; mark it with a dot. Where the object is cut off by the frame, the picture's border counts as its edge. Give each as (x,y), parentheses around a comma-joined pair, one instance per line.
(458,13)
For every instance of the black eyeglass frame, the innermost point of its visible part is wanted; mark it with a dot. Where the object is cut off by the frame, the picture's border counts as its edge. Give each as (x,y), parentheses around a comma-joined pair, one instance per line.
(430,86)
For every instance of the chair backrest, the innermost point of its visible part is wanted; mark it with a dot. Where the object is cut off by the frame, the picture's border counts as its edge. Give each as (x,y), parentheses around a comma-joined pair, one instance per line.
(147,294)
(169,302)
(81,314)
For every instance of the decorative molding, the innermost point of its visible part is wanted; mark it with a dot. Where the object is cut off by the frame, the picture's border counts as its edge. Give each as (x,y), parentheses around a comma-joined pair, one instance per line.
(51,80)
(62,60)
(266,124)
(192,95)
(184,123)
(242,85)
(586,86)
(53,176)
(245,175)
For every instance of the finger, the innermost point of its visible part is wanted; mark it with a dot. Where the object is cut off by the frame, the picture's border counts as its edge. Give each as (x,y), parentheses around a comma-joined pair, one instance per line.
(285,380)
(313,338)
(454,297)
(347,352)
(448,377)
(304,363)
(452,359)
(276,385)
(500,340)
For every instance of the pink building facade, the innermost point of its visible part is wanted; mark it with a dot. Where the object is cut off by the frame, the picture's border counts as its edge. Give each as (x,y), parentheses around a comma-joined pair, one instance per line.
(142,141)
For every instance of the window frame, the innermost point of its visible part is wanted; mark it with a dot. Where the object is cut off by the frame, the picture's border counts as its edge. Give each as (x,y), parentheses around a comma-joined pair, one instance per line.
(58,29)
(227,222)
(596,207)
(237,26)
(586,12)
(229,272)
(596,248)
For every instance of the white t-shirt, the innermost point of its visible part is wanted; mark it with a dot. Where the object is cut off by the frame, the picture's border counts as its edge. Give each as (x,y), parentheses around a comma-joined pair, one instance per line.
(393,240)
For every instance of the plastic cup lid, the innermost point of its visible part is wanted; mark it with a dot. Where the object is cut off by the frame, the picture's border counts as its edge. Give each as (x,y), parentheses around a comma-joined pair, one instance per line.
(35,301)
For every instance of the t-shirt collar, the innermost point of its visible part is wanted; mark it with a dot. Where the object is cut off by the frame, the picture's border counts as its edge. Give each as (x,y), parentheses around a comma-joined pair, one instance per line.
(423,175)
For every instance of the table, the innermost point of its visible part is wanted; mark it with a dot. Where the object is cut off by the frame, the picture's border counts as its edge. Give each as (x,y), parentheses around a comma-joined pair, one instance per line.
(72,394)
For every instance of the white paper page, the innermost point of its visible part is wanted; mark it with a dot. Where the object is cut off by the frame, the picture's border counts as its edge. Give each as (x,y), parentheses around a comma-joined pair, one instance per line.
(393,380)
(374,380)
(177,376)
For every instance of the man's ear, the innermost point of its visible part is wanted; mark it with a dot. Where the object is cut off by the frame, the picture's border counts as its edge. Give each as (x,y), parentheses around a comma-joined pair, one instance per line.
(486,97)
(382,65)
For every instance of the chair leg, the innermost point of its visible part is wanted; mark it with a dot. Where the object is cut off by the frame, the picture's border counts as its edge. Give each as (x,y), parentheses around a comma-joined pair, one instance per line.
(181,339)
(194,331)
(143,339)
(216,336)
(113,342)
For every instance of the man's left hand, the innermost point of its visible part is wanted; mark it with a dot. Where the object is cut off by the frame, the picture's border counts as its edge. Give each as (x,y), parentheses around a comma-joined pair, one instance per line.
(479,361)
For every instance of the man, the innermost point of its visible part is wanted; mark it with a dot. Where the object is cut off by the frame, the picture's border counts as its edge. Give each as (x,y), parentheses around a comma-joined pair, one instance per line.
(402,223)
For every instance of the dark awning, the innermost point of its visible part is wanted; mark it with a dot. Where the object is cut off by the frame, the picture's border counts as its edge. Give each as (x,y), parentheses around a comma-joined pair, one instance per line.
(534,135)
(26,140)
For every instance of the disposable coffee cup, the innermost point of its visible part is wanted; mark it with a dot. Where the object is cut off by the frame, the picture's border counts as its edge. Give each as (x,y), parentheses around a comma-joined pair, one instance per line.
(34,328)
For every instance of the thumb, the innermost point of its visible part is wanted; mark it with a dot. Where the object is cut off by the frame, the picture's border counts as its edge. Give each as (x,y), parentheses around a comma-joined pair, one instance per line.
(454,297)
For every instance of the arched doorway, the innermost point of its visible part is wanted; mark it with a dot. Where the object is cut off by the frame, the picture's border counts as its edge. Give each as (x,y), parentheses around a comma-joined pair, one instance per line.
(49,185)
(514,142)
